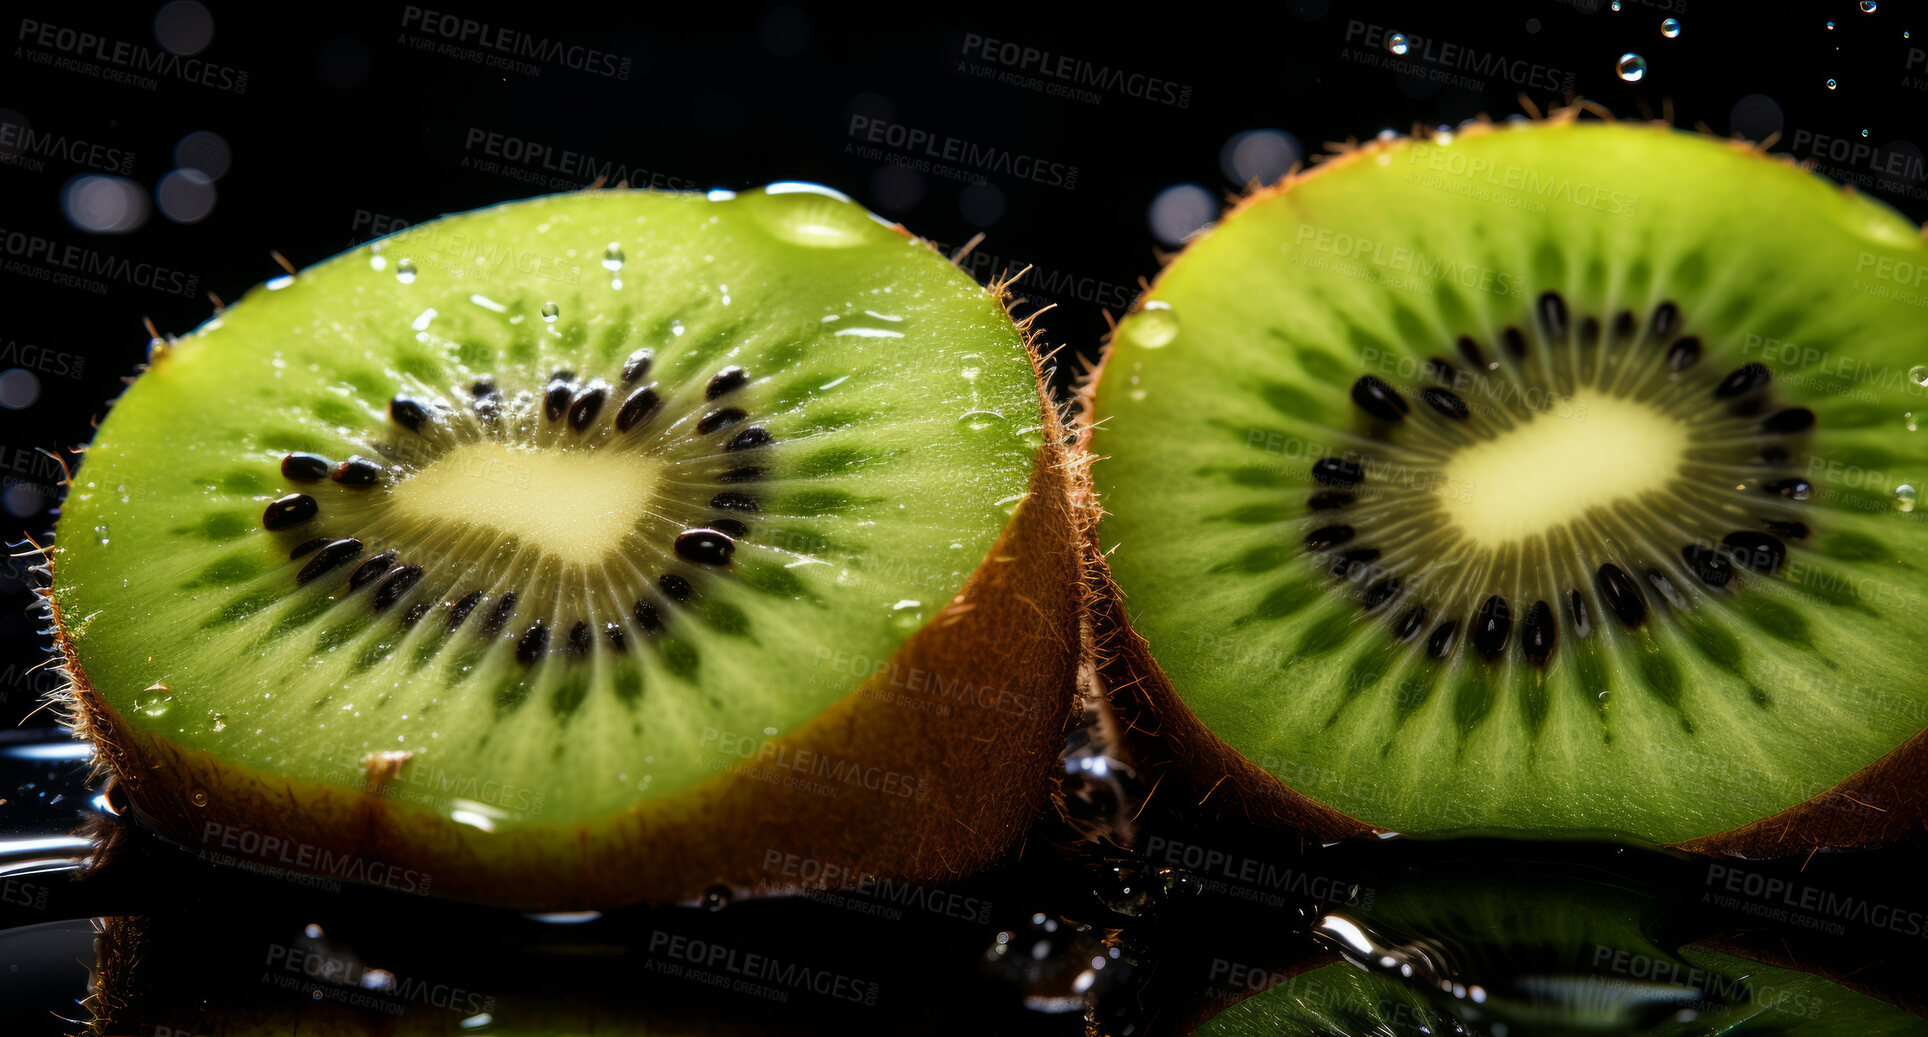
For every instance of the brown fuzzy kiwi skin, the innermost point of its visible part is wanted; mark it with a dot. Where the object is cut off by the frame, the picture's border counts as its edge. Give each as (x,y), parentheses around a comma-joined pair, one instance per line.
(1883,803)
(975,769)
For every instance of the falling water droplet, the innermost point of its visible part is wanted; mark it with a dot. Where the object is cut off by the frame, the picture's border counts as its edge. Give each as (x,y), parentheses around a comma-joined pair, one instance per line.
(1670,28)
(1867,6)
(716,898)
(613,257)
(1615,5)
(1904,498)
(405,271)
(1831,84)
(1154,325)
(1830,26)
(1398,43)
(1632,67)
(1864,133)
(549,311)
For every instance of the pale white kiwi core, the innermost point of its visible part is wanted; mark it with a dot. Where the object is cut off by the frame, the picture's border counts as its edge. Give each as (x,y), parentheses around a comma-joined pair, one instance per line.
(575,505)
(1558,465)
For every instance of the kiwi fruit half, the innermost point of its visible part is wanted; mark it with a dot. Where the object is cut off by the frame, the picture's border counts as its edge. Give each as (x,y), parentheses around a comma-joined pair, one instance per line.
(1548,477)
(597,548)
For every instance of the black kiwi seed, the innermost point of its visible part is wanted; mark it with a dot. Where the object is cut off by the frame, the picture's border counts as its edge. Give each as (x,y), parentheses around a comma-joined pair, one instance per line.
(1683,354)
(1328,536)
(1410,622)
(646,615)
(1440,369)
(1577,606)
(408,412)
(357,471)
(397,584)
(499,616)
(370,569)
(308,547)
(1788,530)
(727,381)
(1515,342)
(746,474)
(1328,500)
(1792,489)
(674,586)
(1622,595)
(1380,593)
(1553,315)
(637,365)
(1751,549)
(1666,318)
(290,511)
(705,546)
(1493,627)
(1337,471)
(614,632)
(334,554)
(1441,643)
(584,407)
(730,500)
(305,467)
(1623,325)
(461,609)
(1471,351)
(555,399)
(750,438)
(1446,403)
(1538,634)
(1378,399)
(1744,379)
(730,528)
(533,643)
(717,419)
(483,387)
(1710,565)
(580,639)
(1791,420)
(637,408)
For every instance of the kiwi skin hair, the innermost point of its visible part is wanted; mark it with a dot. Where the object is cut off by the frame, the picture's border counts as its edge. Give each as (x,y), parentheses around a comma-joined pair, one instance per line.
(1011,626)
(1881,803)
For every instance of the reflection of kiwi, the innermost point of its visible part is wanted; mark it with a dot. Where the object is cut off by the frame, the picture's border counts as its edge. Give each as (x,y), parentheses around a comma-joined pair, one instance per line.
(1520,952)
(1552,477)
(584,550)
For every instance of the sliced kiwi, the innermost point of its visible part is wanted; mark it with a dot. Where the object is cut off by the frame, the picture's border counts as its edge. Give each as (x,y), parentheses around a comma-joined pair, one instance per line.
(584,550)
(1548,477)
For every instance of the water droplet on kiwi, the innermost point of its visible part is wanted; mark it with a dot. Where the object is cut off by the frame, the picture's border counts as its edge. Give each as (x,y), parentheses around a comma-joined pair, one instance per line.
(549,311)
(719,194)
(1918,374)
(613,257)
(1154,325)
(378,262)
(1908,420)
(907,616)
(218,721)
(979,420)
(813,216)
(1398,43)
(1032,438)
(1631,67)
(157,702)
(1670,28)
(281,282)
(1905,498)
(405,271)
(971,372)
(102,530)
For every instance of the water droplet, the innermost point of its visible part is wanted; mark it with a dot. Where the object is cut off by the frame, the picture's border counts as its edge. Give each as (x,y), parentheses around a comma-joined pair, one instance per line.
(200,800)
(906,616)
(1670,28)
(1032,438)
(719,194)
(970,373)
(1631,67)
(1904,498)
(1867,6)
(549,311)
(1864,133)
(813,216)
(613,257)
(1831,84)
(1908,420)
(979,420)
(1154,325)
(405,271)
(102,530)
(378,262)
(716,898)
(1398,43)
(1918,374)
(157,704)
(220,721)
(1830,26)
(1616,5)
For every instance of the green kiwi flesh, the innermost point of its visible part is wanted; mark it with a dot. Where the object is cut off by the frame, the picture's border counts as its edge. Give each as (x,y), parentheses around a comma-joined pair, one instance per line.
(1547,477)
(552,517)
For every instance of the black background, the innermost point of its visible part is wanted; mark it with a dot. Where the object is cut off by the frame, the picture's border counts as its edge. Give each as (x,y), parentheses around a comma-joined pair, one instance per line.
(344,127)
